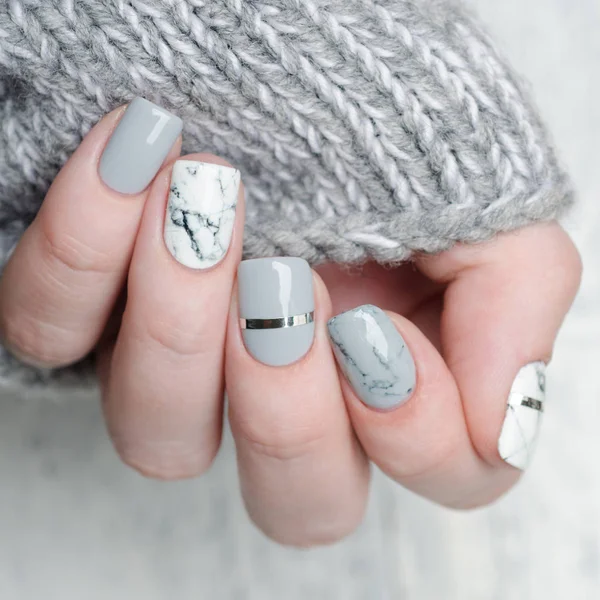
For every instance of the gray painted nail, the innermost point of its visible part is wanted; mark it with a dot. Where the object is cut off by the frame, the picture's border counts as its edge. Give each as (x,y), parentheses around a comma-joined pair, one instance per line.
(138,146)
(276,299)
(373,356)
(200,212)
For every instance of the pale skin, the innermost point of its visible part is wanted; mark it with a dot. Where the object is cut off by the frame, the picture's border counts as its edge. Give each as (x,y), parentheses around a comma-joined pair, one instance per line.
(472,317)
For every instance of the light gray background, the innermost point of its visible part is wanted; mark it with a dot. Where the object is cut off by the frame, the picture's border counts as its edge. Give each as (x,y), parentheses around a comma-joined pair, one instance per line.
(76,524)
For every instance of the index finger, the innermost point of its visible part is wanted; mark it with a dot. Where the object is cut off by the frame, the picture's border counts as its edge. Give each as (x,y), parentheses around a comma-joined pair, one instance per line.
(65,274)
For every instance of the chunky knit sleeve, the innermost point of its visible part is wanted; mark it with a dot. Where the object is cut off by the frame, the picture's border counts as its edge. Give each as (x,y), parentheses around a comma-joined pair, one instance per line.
(364,129)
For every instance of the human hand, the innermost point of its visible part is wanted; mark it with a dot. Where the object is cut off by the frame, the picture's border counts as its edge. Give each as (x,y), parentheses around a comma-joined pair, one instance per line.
(426,386)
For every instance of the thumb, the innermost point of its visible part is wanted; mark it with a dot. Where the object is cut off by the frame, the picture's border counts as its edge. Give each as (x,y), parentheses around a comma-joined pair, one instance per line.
(503,307)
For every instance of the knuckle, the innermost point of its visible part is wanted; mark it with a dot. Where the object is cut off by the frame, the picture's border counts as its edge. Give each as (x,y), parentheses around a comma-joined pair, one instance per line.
(172,333)
(309,533)
(557,258)
(72,252)
(437,460)
(572,267)
(40,344)
(280,441)
(311,536)
(467,503)
(485,492)
(169,338)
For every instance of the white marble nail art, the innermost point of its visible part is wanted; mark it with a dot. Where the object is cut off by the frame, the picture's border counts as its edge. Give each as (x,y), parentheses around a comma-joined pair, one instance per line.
(523,416)
(200,212)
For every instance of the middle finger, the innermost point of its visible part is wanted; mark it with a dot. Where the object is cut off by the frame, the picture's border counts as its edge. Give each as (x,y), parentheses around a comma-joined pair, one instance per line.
(303,475)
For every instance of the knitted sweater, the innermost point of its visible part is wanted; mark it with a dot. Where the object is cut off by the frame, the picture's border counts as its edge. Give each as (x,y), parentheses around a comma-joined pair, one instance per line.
(364,129)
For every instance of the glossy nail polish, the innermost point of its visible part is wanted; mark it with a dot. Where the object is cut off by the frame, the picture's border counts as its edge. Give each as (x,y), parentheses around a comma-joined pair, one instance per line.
(373,356)
(138,146)
(200,212)
(276,304)
(523,418)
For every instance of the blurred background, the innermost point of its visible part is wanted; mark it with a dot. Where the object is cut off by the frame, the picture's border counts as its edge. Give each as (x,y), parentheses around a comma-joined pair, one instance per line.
(75,523)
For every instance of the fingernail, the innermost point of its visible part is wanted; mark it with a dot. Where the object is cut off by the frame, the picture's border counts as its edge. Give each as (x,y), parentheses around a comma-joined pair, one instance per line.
(138,146)
(276,309)
(373,356)
(523,416)
(200,212)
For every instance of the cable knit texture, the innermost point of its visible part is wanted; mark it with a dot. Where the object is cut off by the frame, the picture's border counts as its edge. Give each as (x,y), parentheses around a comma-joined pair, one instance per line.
(364,129)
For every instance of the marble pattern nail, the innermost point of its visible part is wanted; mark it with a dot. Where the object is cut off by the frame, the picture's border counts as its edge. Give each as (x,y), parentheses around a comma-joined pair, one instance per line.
(373,356)
(201,212)
(523,416)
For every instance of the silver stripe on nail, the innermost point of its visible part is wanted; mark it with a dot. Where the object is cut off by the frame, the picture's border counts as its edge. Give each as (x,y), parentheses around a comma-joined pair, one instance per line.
(523,418)
(278,323)
(532,403)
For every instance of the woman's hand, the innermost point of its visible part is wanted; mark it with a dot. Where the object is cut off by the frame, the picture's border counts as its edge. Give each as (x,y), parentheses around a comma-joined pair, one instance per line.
(424,390)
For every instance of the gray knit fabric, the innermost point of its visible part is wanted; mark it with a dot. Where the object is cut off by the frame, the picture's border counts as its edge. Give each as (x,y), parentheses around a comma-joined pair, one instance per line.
(364,129)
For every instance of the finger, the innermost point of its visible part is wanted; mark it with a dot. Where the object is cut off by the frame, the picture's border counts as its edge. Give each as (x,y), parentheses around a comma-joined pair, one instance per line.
(405,408)
(163,401)
(60,284)
(503,308)
(439,433)
(304,478)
